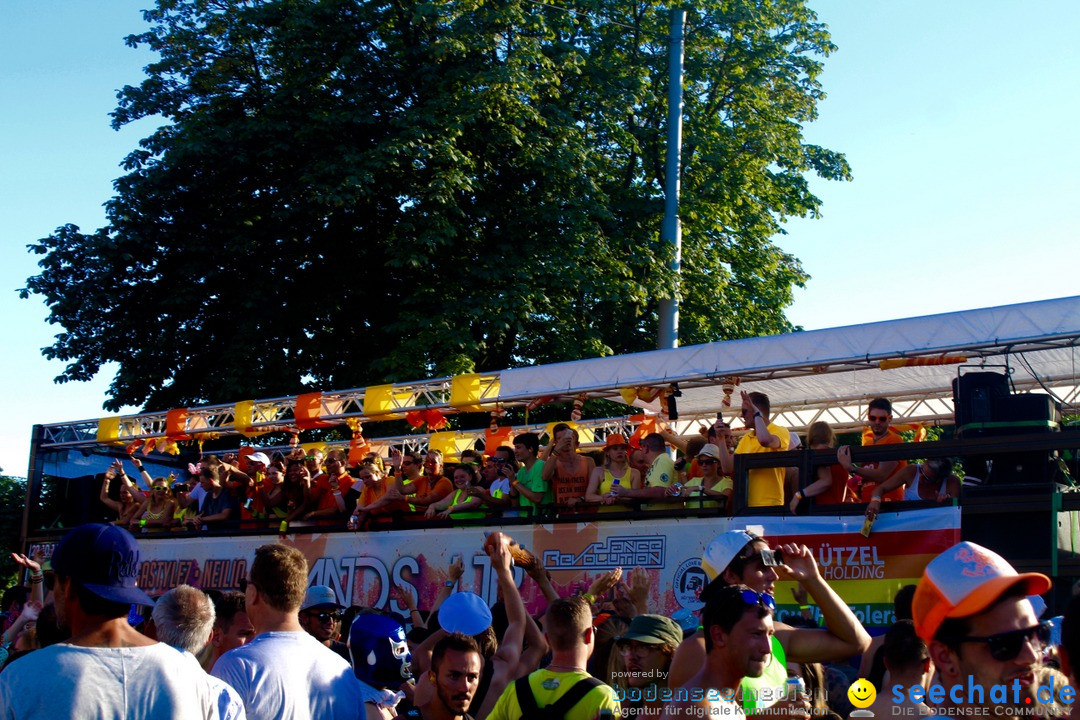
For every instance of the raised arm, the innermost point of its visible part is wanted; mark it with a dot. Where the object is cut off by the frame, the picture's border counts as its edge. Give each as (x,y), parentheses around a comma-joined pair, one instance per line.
(843,635)
(505,661)
(104,496)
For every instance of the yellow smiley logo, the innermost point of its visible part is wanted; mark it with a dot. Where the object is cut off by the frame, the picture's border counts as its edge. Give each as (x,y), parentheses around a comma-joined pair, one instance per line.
(862,693)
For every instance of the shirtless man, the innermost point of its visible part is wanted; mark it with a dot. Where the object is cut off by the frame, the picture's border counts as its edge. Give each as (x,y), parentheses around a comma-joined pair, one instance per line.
(738,557)
(564,470)
(738,630)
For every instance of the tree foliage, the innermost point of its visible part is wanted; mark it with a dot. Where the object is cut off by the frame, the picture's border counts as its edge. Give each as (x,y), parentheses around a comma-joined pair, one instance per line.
(345,192)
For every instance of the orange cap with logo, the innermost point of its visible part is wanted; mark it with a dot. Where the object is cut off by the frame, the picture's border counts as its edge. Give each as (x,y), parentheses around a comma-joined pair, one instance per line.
(963,581)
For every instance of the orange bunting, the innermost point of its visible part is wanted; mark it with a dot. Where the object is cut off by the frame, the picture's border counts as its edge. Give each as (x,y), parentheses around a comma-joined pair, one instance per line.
(893,363)
(494,437)
(434,418)
(176,424)
(646,425)
(132,447)
(414,418)
(308,411)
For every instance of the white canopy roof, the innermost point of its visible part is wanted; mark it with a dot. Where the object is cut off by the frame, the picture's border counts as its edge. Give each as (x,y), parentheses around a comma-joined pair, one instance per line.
(819,374)
(812,370)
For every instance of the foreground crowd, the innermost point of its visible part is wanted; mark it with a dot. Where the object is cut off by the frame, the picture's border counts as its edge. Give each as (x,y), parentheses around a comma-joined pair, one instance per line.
(526,479)
(281,650)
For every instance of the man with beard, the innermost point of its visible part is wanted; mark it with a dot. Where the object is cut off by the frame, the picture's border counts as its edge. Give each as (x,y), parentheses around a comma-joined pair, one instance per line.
(646,649)
(320,616)
(455,675)
(971,608)
(738,631)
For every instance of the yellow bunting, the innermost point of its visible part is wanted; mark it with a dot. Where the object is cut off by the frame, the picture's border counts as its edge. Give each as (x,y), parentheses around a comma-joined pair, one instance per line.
(470,393)
(108,430)
(381,401)
(450,444)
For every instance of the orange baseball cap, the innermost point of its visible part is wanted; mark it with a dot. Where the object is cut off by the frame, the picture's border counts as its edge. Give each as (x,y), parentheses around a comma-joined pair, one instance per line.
(963,581)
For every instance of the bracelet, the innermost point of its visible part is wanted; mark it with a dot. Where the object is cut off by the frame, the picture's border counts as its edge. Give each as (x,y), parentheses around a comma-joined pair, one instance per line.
(875,499)
(37,579)
(799,494)
(589,597)
(804,607)
(449,583)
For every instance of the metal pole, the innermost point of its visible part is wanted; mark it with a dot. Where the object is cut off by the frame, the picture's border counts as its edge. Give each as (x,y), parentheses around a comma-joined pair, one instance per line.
(34,476)
(671,228)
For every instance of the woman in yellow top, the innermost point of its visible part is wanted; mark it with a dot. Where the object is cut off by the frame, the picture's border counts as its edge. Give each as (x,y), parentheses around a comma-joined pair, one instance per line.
(459,504)
(715,488)
(616,468)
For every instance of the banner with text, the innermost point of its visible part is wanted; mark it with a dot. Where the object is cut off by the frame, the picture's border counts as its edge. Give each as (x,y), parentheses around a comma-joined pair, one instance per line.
(362,567)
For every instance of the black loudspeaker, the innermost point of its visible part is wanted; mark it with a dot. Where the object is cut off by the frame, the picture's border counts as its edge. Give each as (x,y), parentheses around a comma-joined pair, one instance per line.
(1026,468)
(974,397)
(81,504)
(1029,413)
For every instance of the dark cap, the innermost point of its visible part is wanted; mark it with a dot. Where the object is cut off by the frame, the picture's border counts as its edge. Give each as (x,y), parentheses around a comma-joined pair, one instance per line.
(652,629)
(104,559)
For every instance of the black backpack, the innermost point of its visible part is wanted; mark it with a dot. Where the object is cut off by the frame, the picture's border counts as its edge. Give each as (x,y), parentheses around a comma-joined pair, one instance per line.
(556,710)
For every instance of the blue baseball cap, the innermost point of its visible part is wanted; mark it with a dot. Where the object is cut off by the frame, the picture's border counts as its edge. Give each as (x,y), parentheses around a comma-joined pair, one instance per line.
(104,559)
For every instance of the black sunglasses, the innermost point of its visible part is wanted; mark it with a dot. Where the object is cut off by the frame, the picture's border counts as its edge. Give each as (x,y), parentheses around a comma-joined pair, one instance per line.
(1007,645)
(324,616)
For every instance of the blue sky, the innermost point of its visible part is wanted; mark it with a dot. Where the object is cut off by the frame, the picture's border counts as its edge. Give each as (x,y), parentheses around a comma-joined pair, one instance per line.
(958,119)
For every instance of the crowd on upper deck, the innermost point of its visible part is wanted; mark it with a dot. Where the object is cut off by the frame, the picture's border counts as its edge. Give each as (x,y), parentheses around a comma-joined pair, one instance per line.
(527,479)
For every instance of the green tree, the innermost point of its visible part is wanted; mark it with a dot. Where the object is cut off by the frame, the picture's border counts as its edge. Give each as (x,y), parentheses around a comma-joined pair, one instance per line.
(345,192)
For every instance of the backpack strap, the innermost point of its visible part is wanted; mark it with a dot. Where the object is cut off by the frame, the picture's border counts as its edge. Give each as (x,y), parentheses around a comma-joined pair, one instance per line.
(558,709)
(526,699)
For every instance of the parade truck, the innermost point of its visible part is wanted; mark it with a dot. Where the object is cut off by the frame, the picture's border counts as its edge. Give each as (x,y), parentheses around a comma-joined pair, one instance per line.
(994,390)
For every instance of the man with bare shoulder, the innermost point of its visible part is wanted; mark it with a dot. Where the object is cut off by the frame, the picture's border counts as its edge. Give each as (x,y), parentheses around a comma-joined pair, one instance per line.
(738,631)
(738,557)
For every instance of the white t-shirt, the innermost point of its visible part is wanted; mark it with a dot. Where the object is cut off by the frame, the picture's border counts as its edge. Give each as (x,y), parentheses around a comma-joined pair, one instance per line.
(68,681)
(291,676)
(230,706)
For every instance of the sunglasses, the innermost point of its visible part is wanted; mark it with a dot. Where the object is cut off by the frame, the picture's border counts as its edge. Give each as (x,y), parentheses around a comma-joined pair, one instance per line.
(244,582)
(498,461)
(708,461)
(1007,645)
(755,598)
(324,616)
(879,418)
